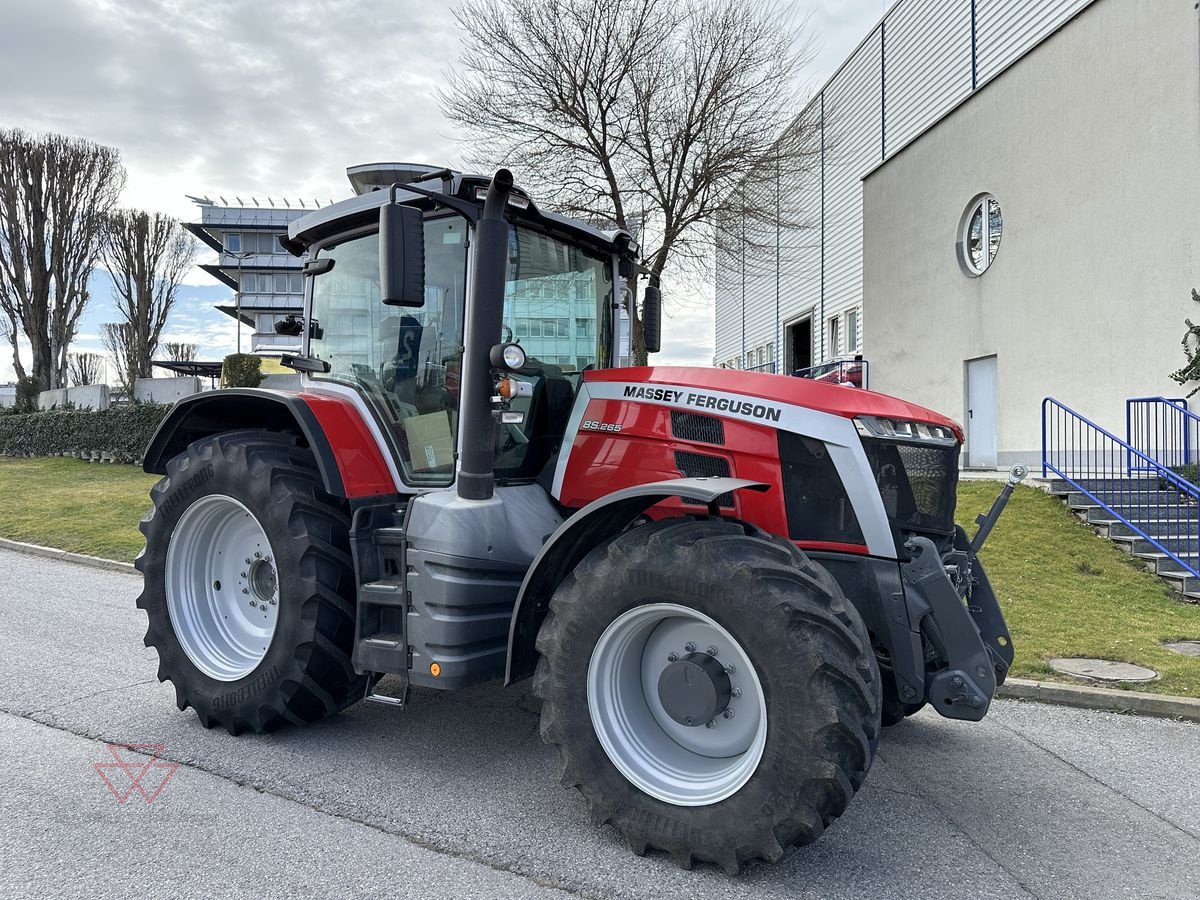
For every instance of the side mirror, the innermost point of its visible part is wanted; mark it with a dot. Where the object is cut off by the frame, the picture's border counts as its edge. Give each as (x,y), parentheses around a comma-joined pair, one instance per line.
(652,319)
(401,255)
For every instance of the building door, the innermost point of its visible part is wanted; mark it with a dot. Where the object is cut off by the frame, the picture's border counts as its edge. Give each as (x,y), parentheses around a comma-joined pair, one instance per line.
(798,346)
(981,412)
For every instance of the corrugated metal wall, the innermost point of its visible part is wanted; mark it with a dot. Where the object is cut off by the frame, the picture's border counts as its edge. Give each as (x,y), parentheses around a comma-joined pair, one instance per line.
(1007,29)
(924,58)
(928,63)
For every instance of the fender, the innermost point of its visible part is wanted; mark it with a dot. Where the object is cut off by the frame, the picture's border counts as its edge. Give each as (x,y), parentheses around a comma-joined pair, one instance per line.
(351,464)
(578,536)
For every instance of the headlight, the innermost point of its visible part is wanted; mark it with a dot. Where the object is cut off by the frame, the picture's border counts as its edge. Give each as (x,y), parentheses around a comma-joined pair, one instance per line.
(904,430)
(508,356)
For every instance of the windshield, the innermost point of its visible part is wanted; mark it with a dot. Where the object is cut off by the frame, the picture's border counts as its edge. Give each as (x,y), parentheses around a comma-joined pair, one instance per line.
(407,361)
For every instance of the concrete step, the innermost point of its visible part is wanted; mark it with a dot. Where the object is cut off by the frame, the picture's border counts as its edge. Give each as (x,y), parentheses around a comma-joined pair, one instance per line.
(1098,515)
(1183,582)
(1155,527)
(1178,545)
(1061,486)
(1145,499)
(1167,567)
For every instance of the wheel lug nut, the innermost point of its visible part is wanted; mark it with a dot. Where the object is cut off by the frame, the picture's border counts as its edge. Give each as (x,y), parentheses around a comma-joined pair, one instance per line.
(736,692)
(245,590)
(253,605)
(257,555)
(728,668)
(672,656)
(273,603)
(728,714)
(248,560)
(688,720)
(243,574)
(711,650)
(690,646)
(711,723)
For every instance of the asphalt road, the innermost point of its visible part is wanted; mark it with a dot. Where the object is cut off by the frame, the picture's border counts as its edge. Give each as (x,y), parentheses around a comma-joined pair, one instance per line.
(456,796)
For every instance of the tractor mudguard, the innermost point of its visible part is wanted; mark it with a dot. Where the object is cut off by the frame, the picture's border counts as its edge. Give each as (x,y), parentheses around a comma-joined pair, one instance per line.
(578,536)
(353,468)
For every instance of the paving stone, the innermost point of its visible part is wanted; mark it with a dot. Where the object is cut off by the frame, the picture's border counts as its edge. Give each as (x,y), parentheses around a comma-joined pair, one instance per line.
(1187,648)
(1102,670)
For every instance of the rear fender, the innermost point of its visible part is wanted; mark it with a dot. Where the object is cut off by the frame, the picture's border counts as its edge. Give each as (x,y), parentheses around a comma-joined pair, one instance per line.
(578,536)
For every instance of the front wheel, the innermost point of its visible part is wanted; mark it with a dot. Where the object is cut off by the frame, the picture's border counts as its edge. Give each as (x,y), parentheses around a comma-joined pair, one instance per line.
(710,690)
(248,584)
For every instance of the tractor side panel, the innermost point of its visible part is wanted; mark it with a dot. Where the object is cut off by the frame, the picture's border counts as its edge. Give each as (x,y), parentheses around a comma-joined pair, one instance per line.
(621,444)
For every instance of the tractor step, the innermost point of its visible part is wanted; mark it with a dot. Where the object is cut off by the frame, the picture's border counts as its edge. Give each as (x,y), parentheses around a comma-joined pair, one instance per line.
(397,700)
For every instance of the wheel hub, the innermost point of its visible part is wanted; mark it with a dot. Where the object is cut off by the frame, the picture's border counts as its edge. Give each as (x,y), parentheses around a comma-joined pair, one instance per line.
(654,668)
(694,690)
(222,587)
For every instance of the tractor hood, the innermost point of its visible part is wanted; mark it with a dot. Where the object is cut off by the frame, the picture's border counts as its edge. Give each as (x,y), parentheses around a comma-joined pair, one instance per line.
(830,398)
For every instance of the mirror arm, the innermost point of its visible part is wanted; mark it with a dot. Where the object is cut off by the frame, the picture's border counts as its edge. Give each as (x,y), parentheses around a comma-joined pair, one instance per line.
(465,208)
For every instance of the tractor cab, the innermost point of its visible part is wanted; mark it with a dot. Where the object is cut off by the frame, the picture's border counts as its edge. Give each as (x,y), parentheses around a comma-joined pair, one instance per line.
(401,358)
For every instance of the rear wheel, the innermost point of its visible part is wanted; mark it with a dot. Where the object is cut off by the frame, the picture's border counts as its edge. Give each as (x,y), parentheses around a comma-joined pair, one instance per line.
(248,584)
(710,690)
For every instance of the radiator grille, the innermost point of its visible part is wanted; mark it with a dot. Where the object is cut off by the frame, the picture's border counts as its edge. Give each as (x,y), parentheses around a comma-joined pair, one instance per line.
(700,465)
(688,426)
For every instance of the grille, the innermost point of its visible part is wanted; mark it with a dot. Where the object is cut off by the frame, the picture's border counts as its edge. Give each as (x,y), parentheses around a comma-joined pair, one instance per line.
(688,426)
(917,483)
(699,465)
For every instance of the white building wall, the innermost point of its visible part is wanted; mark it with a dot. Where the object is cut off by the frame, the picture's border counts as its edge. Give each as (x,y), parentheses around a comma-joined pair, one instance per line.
(924,58)
(1094,156)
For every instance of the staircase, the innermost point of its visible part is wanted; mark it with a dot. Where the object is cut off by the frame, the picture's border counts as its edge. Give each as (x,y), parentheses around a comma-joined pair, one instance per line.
(1128,489)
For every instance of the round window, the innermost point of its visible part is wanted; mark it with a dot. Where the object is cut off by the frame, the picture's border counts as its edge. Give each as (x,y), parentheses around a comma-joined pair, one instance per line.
(979,236)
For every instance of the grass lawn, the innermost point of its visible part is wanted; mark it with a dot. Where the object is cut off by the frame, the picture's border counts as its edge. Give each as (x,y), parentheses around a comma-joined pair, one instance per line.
(1064,591)
(1067,592)
(73,505)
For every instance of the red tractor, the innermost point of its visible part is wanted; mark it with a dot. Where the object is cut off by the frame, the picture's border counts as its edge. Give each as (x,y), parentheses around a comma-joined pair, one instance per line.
(722,583)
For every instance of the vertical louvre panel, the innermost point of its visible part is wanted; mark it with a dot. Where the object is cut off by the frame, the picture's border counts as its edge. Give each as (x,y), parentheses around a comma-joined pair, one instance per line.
(800,238)
(727,314)
(928,65)
(853,107)
(1006,29)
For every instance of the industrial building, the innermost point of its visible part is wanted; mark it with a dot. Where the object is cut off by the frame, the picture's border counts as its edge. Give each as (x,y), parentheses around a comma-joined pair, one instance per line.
(1005,206)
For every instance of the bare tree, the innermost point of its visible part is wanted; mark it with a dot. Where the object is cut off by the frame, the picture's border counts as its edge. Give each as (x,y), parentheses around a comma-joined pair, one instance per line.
(54,194)
(117,337)
(147,255)
(663,118)
(179,351)
(85,368)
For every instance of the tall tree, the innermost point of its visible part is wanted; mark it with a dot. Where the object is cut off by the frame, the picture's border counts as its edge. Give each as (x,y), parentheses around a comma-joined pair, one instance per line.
(85,368)
(147,255)
(55,192)
(179,351)
(117,338)
(647,114)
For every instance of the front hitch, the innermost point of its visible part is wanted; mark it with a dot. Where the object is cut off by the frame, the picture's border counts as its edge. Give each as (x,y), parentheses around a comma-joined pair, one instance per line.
(987,522)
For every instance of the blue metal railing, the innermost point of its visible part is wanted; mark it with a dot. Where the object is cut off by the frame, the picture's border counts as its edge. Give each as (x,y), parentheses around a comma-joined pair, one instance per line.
(1155,504)
(855,372)
(1161,428)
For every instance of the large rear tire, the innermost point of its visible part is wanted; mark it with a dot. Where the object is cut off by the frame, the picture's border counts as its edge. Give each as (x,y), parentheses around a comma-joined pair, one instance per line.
(248,584)
(629,680)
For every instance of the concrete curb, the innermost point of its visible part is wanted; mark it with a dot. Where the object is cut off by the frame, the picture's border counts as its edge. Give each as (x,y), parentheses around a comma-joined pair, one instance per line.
(1087,697)
(96,562)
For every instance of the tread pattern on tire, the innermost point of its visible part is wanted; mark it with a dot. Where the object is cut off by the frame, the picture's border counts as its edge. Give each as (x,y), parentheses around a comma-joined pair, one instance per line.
(804,615)
(307,673)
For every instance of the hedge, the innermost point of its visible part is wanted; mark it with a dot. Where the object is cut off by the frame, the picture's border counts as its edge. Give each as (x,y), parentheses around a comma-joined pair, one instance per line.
(120,433)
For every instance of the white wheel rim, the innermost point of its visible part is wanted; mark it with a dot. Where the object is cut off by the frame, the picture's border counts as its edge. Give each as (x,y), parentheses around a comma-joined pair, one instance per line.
(222,587)
(683,765)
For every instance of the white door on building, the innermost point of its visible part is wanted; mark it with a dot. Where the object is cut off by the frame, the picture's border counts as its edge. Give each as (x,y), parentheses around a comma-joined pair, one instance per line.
(981,412)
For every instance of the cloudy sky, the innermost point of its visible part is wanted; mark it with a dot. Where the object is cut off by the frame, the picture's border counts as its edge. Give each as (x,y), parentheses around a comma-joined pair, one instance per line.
(267,98)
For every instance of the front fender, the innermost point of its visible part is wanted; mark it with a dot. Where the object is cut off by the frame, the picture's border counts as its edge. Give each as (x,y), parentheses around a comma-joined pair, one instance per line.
(582,533)
(350,462)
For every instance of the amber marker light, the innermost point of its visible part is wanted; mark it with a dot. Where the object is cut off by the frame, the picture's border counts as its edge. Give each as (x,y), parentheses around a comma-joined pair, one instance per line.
(435,669)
